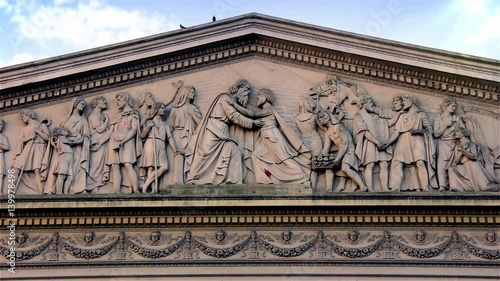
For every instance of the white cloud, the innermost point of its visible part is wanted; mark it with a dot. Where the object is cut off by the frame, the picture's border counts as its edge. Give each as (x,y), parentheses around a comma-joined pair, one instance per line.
(477,22)
(63,26)
(87,24)
(19,58)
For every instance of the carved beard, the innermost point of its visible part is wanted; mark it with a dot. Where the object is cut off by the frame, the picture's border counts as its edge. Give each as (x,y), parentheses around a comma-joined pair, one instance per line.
(242,100)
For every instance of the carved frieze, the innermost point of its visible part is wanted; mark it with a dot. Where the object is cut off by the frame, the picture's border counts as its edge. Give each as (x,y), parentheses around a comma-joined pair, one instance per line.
(443,247)
(338,140)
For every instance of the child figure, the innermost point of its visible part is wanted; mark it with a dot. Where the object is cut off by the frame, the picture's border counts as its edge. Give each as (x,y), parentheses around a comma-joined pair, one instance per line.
(63,166)
(154,161)
(345,158)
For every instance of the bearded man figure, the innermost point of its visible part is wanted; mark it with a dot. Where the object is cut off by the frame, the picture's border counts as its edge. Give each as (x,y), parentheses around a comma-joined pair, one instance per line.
(216,157)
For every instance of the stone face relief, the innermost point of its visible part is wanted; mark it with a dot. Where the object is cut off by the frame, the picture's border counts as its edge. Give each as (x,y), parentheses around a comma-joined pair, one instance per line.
(125,146)
(337,141)
(30,150)
(155,133)
(184,118)
(216,157)
(99,138)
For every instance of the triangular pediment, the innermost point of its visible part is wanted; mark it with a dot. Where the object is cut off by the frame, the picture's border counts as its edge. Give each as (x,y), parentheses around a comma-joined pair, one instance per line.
(351,151)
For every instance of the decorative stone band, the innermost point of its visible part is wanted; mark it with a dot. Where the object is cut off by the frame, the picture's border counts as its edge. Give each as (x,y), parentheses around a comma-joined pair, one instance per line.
(475,247)
(482,111)
(348,66)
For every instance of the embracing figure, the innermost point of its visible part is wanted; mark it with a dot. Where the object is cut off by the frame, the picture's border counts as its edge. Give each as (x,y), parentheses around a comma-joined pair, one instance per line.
(216,157)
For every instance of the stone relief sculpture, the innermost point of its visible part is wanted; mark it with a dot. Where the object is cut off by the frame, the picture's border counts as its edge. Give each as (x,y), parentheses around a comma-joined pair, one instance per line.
(216,157)
(307,125)
(63,162)
(99,139)
(445,127)
(125,146)
(4,146)
(238,143)
(184,118)
(157,133)
(30,149)
(79,141)
(467,173)
(345,160)
(412,129)
(277,146)
(147,101)
(371,132)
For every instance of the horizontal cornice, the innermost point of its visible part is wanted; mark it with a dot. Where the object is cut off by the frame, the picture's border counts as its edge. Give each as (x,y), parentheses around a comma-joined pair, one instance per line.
(164,66)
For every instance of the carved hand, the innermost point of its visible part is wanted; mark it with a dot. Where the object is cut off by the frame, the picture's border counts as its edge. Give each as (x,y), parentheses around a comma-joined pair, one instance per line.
(258,123)
(383,146)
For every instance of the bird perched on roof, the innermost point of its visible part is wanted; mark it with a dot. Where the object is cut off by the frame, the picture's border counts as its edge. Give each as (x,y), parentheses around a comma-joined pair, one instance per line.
(213,18)
(181,26)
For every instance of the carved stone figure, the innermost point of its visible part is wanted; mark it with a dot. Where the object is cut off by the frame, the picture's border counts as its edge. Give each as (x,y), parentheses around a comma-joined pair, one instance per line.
(147,100)
(184,117)
(79,140)
(157,133)
(99,137)
(371,132)
(4,146)
(125,146)
(216,157)
(335,101)
(63,163)
(467,172)
(414,145)
(445,126)
(277,147)
(306,123)
(345,159)
(31,146)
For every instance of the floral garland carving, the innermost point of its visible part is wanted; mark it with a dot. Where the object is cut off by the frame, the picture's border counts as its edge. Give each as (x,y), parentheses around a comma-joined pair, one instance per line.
(154,253)
(319,243)
(220,253)
(422,253)
(481,253)
(354,252)
(26,255)
(287,252)
(88,253)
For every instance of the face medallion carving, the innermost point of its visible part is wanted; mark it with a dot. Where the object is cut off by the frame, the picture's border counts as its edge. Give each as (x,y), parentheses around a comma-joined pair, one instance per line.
(155,236)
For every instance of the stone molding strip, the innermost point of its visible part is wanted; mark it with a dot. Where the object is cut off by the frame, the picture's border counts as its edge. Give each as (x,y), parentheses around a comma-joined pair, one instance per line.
(119,222)
(348,66)
(194,247)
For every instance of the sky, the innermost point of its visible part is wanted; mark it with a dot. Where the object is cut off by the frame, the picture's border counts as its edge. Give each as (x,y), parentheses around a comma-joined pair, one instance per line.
(33,30)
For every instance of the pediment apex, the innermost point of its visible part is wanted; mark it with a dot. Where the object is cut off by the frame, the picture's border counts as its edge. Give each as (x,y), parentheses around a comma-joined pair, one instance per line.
(255,24)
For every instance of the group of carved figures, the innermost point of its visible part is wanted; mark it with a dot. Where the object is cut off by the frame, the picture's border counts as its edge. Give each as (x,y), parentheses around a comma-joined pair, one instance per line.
(236,143)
